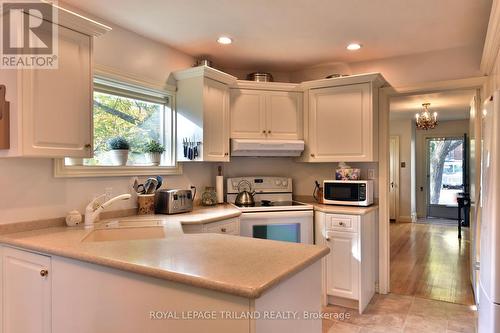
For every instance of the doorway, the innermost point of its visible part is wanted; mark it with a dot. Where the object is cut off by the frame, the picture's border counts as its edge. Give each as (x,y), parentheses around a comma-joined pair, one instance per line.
(446,175)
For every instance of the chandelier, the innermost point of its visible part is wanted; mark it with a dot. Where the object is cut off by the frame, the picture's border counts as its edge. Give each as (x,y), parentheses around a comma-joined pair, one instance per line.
(426,120)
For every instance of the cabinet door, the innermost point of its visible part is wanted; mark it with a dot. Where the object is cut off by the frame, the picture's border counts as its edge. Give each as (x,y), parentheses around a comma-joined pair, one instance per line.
(248,113)
(215,121)
(26,292)
(57,103)
(341,123)
(342,265)
(284,115)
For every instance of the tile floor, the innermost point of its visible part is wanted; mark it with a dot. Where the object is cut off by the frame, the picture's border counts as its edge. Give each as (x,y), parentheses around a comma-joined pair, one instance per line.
(402,314)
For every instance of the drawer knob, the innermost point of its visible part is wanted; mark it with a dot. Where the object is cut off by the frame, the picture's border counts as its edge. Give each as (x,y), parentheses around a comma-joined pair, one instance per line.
(341,224)
(44,273)
(312,155)
(88,146)
(223,230)
(264,131)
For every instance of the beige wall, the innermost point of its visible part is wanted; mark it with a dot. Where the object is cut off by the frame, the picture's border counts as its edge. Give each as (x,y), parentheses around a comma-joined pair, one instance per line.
(444,129)
(403,129)
(405,70)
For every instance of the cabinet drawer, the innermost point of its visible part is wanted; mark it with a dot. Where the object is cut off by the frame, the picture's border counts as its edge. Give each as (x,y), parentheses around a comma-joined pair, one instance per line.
(337,222)
(229,227)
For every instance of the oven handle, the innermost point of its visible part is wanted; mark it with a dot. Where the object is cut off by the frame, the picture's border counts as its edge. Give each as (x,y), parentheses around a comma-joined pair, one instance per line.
(285,214)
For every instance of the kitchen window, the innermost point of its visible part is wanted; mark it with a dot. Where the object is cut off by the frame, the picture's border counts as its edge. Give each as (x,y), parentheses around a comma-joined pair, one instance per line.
(131,124)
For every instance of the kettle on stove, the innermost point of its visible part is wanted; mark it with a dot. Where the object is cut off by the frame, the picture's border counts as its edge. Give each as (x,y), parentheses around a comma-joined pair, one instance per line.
(245,197)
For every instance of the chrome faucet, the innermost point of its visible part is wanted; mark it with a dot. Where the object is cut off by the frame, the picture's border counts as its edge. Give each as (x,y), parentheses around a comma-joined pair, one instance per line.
(94,208)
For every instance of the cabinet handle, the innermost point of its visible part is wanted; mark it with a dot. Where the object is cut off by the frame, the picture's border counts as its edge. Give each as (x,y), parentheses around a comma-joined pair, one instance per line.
(312,155)
(341,224)
(263,131)
(226,154)
(327,239)
(268,132)
(223,230)
(88,146)
(44,272)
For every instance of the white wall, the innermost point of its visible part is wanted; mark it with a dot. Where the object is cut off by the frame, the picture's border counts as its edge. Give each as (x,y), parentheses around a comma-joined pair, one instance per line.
(405,70)
(402,128)
(444,129)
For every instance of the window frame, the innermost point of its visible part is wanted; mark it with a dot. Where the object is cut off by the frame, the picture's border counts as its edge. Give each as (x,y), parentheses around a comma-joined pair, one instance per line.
(61,170)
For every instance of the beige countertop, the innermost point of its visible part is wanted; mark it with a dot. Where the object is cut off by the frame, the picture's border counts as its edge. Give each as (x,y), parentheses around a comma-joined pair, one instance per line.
(337,209)
(240,266)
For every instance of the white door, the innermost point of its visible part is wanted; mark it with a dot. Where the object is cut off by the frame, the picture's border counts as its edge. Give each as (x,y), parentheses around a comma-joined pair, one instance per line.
(342,265)
(394,177)
(284,115)
(215,121)
(248,114)
(57,104)
(26,292)
(341,123)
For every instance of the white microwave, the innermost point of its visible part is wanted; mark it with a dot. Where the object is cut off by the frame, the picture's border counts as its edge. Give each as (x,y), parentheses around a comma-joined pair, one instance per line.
(348,192)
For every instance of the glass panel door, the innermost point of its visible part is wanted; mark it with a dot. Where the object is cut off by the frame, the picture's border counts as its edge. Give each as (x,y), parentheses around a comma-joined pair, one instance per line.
(446,176)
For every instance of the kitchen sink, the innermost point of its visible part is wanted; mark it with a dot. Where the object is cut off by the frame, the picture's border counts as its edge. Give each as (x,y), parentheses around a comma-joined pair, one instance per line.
(120,230)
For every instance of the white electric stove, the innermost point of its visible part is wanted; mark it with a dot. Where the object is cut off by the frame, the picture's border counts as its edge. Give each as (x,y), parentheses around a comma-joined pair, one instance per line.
(275,215)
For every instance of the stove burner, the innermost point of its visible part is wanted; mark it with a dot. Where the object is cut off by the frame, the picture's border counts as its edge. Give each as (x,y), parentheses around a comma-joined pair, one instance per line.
(266,203)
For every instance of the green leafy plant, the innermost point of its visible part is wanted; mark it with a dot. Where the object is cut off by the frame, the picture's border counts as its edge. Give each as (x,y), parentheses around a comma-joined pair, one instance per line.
(154,146)
(118,143)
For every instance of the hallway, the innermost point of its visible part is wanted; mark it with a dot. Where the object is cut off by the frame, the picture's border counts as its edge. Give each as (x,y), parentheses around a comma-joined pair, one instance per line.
(429,261)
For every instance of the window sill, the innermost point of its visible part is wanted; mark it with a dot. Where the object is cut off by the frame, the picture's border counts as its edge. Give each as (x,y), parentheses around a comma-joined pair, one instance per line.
(65,171)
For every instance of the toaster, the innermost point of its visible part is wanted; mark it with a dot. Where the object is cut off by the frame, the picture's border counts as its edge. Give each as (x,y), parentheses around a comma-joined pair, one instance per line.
(173,201)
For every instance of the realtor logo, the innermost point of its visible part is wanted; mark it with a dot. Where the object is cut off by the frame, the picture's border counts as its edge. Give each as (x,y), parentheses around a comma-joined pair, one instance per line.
(29,35)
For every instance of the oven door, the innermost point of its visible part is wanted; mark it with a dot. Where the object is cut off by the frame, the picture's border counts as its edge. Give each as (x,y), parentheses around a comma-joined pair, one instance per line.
(291,226)
(344,192)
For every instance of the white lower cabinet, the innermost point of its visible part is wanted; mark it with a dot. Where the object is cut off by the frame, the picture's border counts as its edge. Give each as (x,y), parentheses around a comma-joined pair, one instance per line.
(227,227)
(349,271)
(26,292)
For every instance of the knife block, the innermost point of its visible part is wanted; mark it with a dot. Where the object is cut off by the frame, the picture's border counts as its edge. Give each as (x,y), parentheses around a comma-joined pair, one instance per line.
(4,120)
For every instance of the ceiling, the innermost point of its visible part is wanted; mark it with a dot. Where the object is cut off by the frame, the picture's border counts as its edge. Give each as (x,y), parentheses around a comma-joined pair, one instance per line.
(450,105)
(291,35)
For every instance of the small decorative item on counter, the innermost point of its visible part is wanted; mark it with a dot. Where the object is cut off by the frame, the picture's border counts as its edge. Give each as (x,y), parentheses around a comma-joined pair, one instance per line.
(146,204)
(153,150)
(318,192)
(345,172)
(73,218)
(191,148)
(209,197)
(119,148)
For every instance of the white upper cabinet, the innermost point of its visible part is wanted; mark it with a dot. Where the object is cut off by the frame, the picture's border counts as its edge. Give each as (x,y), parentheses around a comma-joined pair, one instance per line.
(342,117)
(248,114)
(51,109)
(203,121)
(258,112)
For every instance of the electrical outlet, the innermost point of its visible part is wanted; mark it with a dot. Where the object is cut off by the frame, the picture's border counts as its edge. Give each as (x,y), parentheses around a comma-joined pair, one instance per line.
(109,193)
(371,173)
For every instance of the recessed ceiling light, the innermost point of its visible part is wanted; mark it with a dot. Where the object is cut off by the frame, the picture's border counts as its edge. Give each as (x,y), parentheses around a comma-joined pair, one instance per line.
(353,46)
(224,40)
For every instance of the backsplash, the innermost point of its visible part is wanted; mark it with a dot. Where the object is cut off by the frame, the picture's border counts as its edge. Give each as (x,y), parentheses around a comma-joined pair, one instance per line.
(30,191)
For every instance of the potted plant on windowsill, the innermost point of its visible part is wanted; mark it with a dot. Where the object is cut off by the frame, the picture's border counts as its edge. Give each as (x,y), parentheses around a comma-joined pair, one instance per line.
(118,149)
(153,150)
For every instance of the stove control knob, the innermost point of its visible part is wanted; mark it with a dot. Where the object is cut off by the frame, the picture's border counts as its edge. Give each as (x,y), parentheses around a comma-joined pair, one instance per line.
(285,183)
(277,182)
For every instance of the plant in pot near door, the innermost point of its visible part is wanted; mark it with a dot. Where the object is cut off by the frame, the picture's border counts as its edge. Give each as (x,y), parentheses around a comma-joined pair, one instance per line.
(118,149)
(153,150)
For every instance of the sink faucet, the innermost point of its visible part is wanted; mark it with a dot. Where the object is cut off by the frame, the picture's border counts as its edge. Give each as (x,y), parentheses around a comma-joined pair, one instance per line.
(94,208)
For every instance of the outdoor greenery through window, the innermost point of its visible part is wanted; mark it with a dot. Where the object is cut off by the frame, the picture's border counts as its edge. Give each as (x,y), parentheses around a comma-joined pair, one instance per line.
(132,126)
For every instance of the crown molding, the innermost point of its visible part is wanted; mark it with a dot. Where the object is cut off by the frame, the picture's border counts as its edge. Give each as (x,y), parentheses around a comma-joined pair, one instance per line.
(492,41)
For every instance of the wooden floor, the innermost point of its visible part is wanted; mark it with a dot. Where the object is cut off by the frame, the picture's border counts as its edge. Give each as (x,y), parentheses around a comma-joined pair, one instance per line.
(429,261)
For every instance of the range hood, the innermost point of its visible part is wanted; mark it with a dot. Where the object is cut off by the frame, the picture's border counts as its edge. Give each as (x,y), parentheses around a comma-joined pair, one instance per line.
(256,147)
